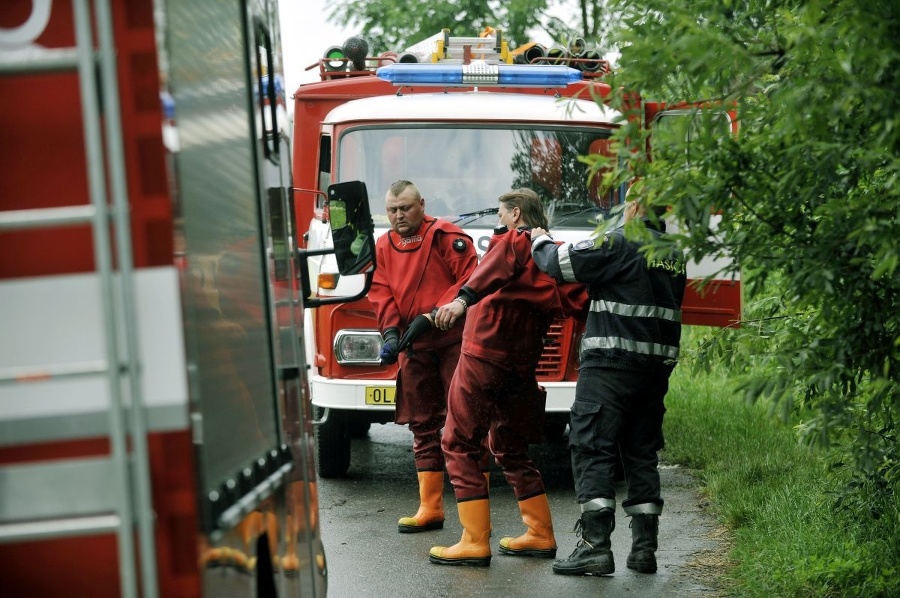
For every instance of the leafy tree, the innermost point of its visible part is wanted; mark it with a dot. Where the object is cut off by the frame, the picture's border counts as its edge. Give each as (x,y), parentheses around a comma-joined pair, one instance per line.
(807,192)
(392,25)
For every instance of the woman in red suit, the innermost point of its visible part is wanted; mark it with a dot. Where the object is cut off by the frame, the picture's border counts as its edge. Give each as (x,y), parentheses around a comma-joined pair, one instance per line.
(494,389)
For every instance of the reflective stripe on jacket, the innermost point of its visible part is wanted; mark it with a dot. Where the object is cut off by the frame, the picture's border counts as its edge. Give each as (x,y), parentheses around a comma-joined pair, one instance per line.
(635,312)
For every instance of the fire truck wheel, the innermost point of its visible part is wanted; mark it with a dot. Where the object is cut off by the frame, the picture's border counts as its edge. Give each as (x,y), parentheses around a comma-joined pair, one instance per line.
(333,444)
(555,427)
(359,427)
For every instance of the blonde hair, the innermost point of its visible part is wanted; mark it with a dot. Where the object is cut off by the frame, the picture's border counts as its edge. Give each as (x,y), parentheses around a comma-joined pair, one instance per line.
(398,187)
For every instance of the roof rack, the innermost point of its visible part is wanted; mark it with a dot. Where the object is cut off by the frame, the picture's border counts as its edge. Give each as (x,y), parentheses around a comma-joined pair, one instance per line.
(489,46)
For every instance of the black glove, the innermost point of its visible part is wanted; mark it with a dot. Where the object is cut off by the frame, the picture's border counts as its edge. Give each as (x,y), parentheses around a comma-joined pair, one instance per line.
(417,328)
(390,350)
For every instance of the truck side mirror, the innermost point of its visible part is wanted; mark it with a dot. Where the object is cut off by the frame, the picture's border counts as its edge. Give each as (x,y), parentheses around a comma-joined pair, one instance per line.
(352,229)
(353,236)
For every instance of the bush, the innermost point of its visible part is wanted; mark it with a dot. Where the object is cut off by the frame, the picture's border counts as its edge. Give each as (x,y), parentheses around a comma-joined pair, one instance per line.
(801,525)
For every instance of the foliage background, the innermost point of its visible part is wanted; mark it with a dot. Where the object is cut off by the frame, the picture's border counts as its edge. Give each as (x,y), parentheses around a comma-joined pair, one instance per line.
(807,192)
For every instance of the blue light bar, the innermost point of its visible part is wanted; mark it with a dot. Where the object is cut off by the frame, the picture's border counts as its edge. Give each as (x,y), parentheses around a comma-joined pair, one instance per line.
(479,73)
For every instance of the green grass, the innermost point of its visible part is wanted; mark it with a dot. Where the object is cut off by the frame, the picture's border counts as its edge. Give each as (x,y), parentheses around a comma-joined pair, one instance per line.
(778,498)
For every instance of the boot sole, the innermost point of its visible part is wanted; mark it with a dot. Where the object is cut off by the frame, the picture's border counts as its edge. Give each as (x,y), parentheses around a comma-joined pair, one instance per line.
(483,561)
(415,529)
(641,567)
(540,553)
(586,570)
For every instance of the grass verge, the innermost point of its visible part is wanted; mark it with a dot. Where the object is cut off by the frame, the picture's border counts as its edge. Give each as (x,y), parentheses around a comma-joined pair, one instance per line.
(778,498)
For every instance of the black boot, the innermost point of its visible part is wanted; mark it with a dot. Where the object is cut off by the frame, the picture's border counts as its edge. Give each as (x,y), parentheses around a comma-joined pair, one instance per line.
(644,532)
(592,554)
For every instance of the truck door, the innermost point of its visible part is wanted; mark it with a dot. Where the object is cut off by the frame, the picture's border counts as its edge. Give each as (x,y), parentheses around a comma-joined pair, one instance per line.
(672,132)
(286,305)
(250,423)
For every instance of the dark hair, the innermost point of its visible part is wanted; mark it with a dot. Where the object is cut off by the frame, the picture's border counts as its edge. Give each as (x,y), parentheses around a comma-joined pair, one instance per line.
(398,187)
(529,205)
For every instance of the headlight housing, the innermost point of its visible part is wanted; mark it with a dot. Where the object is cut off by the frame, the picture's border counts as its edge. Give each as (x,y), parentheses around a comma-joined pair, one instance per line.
(358,347)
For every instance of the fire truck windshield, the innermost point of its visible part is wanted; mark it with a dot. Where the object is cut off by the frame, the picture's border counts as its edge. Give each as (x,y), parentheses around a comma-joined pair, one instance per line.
(463,170)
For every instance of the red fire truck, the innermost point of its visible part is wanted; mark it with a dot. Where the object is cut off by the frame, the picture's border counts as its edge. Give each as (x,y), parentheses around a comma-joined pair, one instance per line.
(155,424)
(465,119)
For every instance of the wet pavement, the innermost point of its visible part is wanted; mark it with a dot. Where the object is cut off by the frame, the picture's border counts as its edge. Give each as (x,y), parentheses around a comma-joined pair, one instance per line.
(367,556)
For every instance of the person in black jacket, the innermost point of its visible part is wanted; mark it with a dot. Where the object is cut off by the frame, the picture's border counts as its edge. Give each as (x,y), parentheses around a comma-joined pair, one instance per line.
(628,352)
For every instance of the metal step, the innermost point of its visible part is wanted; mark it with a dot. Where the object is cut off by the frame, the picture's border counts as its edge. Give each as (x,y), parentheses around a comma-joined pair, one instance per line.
(36,61)
(85,502)
(46,217)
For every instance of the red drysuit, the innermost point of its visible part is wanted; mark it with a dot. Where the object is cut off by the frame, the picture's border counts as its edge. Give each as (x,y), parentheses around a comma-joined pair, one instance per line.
(414,274)
(494,388)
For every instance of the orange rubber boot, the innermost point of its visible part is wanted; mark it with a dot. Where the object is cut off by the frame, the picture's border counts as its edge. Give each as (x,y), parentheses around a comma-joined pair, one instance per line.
(538,541)
(487,478)
(431,505)
(474,548)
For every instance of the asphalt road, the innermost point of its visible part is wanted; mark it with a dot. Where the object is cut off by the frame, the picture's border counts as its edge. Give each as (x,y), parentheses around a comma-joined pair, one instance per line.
(367,557)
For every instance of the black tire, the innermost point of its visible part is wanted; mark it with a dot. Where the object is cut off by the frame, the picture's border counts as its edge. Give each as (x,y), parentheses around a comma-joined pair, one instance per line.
(359,426)
(333,445)
(555,427)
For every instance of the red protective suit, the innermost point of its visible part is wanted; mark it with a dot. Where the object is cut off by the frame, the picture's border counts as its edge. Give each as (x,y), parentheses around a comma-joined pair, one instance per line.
(415,274)
(494,388)
(419,272)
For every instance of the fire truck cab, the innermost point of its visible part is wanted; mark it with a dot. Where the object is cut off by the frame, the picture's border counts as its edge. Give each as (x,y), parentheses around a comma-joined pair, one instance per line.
(466,120)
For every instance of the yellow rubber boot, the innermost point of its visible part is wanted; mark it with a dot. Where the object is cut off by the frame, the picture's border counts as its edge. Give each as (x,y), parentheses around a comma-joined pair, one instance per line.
(431,505)
(538,541)
(474,548)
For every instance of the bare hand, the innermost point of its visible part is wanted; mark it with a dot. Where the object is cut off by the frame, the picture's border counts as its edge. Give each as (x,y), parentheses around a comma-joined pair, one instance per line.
(448,314)
(537,232)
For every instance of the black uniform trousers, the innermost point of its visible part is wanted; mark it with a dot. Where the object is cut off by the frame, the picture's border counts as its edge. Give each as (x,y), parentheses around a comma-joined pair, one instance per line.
(618,411)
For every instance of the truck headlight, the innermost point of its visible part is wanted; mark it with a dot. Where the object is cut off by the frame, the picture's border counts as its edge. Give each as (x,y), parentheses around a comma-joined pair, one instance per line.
(362,347)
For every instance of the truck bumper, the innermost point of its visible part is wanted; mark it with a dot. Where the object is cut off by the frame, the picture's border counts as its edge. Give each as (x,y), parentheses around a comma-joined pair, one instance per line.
(351,394)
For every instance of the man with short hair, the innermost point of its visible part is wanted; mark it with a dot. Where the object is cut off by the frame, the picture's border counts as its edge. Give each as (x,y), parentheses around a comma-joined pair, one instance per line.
(628,352)
(421,262)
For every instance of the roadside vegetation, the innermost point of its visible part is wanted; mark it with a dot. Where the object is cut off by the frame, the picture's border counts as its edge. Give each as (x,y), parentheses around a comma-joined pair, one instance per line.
(793,417)
(800,524)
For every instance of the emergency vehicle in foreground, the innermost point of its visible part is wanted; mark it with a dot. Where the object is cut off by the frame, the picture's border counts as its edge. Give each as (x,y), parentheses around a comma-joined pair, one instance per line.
(466,119)
(155,426)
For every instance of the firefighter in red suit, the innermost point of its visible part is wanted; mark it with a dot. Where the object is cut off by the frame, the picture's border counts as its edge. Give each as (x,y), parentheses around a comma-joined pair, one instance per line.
(494,392)
(422,261)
